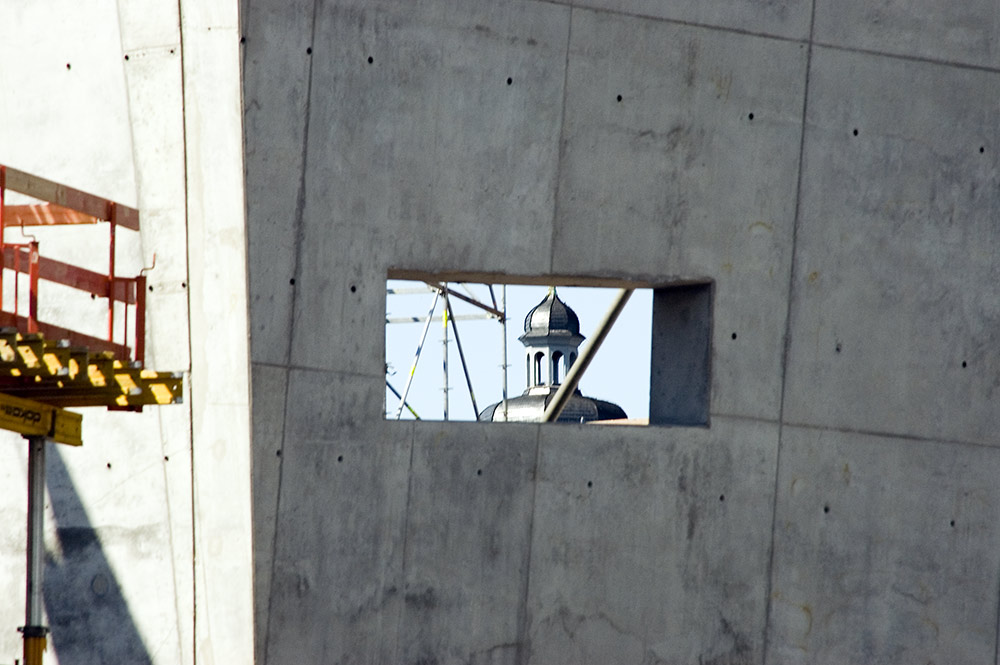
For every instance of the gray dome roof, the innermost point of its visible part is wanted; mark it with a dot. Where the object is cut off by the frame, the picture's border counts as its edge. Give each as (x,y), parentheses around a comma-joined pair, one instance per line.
(551,317)
(530,407)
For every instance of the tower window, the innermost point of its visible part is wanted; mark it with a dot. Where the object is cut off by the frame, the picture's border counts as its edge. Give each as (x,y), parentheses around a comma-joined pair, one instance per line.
(556,360)
(538,379)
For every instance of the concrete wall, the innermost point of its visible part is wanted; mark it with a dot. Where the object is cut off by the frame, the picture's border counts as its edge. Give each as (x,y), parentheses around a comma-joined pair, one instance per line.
(831,166)
(148,524)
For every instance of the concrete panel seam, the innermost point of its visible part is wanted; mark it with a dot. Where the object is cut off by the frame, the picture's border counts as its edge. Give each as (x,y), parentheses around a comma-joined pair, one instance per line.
(524,629)
(764,35)
(560,153)
(688,24)
(190,352)
(891,435)
(300,203)
(786,343)
(170,531)
(908,58)
(742,417)
(318,370)
(406,539)
(996,638)
(277,521)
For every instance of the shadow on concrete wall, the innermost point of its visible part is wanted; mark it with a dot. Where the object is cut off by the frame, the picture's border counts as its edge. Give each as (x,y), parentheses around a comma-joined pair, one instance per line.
(88,616)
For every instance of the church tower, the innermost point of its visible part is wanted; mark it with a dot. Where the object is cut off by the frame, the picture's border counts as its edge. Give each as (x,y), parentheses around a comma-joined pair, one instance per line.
(551,342)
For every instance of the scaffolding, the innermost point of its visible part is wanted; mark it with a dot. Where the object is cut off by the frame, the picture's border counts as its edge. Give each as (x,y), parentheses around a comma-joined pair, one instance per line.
(46,368)
(444,292)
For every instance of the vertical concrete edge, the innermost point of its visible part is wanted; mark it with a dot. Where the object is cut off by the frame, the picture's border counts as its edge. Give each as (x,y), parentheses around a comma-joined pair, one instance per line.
(219,397)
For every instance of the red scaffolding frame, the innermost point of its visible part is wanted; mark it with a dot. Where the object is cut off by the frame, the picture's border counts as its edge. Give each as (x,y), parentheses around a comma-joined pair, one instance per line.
(62,205)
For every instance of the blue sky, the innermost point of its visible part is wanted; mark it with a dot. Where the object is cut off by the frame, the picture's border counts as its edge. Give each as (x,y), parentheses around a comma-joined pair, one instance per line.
(619,373)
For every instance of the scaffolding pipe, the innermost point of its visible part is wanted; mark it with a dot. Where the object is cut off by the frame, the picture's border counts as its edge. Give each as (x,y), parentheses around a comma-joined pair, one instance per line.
(472,301)
(33,630)
(3,255)
(561,398)
(444,351)
(396,393)
(416,356)
(503,308)
(461,356)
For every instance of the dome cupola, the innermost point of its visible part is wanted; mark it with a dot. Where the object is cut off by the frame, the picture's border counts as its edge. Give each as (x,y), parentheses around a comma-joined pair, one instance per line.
(551,344)
(552,318)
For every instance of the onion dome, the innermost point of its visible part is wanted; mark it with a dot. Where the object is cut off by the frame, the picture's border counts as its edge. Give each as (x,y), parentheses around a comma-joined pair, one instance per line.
(552,318)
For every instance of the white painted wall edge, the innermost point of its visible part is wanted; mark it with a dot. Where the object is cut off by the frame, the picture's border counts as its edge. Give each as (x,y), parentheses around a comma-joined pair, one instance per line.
(220,387)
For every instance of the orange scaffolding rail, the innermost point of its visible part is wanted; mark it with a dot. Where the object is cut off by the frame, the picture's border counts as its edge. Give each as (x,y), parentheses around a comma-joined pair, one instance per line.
(62,205)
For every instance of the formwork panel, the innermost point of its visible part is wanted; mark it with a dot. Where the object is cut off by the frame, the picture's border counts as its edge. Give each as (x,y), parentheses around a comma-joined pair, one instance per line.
(155,103)
(269,398)
(147,22)
(433,132)
(336,591)
(892,321)
(468,531)
(886,550)
(276,98)
(339,314)
(784,18)
(324,406)
(680,154)
(652,545)
(957,32)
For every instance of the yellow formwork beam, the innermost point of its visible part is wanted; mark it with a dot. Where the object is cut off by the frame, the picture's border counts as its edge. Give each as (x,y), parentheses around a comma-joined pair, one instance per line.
(32,418)
(59,375)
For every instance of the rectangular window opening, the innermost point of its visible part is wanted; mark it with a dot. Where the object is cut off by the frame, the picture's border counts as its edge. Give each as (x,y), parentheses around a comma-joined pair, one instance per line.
(446,341)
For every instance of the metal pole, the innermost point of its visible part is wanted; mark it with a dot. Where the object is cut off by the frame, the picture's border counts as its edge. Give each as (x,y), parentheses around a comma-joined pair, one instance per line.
(33,287)
(113,220)
(396,393)
(503,308)
(416,357)
(461,356)
(3,240)
(444,350)
(33,630)
(565,391)
(472,301)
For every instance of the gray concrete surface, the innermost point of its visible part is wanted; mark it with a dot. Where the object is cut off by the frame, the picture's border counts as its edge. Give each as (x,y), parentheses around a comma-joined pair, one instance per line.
(830,167)
(151,517)
(854,337)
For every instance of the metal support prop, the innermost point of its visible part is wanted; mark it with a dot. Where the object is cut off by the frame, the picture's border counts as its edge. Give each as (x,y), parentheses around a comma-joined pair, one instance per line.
(472,301)
(33,630)
(503,309)
(113,220)
(3,255)
(561,398)
(140,318)
(396,393)
(461,356)
(444,350)
(33,287)
(416,356)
